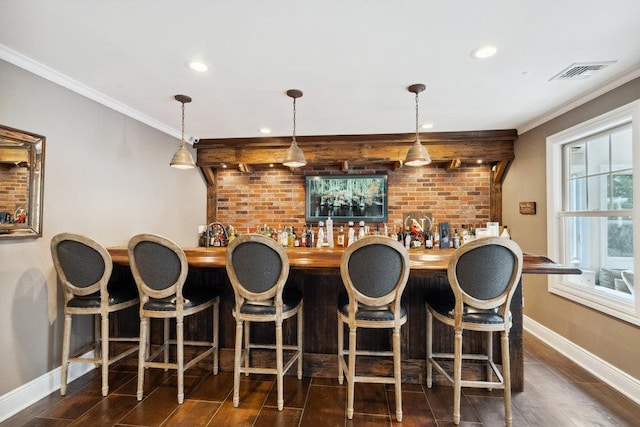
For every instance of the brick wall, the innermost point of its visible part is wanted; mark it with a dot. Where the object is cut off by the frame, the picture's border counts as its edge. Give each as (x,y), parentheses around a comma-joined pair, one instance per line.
(14,187)
(276,196)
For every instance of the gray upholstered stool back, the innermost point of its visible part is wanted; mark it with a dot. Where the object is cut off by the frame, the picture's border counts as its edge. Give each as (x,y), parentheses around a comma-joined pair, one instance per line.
(83,266)
(159,266)
(485,272)
(375,270)
(257,266)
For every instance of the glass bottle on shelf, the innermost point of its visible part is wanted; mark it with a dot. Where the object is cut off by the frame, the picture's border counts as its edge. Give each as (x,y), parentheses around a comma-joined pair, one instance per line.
(456,239)
(303,237)
(291,237)
(351,234)
(341,237)
(320,242)
(361,232)
(310,237)
(436,236)
(428,240)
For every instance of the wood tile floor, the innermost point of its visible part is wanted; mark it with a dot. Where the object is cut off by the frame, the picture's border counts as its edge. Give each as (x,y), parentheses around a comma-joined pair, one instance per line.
(557,393)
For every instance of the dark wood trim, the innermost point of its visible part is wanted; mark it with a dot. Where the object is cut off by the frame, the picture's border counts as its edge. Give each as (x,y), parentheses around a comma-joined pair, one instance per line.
(345,150)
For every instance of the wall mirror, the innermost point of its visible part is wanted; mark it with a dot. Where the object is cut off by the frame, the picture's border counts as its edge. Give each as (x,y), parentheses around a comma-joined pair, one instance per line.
(21,183)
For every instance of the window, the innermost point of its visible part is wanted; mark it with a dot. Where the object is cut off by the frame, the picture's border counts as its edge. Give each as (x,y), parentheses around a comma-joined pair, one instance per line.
(590,199)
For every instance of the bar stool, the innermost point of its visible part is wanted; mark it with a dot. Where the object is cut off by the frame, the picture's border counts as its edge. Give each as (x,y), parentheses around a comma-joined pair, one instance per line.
(258,268)
(374,271)
(84,267)
(160,268)
(483,275)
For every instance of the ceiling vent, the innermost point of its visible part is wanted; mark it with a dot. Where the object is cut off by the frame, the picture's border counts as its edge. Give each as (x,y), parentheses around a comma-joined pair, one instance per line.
(580,71)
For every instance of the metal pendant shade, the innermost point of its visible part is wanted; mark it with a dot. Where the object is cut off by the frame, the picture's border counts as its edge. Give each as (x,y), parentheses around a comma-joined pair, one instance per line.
(294,157)
(182,159)
(417,154)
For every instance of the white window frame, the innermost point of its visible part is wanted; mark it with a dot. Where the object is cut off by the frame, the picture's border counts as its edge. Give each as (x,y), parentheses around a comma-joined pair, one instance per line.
(622,306)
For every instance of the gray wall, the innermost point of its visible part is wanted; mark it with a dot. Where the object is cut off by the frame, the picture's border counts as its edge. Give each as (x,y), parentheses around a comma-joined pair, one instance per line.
(106,176)
(613,340)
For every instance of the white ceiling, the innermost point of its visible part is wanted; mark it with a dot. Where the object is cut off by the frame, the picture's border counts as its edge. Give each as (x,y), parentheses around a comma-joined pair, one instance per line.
(352,59)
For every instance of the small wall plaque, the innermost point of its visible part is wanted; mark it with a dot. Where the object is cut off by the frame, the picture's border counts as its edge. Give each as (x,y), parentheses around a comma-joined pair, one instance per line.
(527,208)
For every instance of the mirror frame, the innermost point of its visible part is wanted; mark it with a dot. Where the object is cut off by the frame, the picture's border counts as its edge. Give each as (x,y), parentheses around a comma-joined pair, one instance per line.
(12,139)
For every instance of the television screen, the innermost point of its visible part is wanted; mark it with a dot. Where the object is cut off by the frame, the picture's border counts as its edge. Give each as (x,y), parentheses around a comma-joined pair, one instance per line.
(346,198)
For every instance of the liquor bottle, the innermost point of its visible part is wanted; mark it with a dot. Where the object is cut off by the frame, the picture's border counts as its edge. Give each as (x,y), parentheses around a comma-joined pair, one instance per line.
(303,237)
(341,237)
(292,238)
(456,239)
(361,232)
(284,237)
(310,237)
(505,233)
(436,237)
(351,235)
(320,242)
(329,231)
(428,240)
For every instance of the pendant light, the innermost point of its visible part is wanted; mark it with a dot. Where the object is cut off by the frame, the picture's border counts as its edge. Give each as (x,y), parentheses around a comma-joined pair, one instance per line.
(417,154)
(294,157)
(182,159)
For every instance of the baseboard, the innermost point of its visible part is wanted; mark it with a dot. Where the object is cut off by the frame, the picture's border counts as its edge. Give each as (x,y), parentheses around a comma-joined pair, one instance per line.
(614,377)
(16,400)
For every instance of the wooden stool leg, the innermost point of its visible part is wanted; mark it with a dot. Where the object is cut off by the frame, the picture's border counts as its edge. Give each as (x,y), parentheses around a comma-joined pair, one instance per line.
(397,373)
(166,342)
(429,350)
(247,345)
(216,335)
(66,348)
(457,376)
(351,371)
(142,354)
(236,363)
(279,363)
(104,349)
(300,341)
(506,374)
(340,350)
(180,356)
(489,341)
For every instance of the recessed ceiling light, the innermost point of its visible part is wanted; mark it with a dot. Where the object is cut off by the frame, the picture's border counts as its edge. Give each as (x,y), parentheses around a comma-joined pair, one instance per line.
(265,131)
(479,161)
(198,66)
(484,52)
(427,126)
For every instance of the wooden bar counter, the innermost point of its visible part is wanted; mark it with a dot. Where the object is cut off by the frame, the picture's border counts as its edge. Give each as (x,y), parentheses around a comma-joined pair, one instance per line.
(316,272)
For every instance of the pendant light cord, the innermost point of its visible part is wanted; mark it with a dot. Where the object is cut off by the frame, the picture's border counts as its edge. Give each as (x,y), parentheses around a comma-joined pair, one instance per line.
(294,120)
(182,139)
(417,134)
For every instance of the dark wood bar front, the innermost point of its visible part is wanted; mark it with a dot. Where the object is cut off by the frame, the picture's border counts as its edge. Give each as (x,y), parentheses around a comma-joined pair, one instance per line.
(316,273)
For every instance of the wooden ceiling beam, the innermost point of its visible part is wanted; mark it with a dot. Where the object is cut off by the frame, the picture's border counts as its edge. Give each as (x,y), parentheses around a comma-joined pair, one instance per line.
(349,150)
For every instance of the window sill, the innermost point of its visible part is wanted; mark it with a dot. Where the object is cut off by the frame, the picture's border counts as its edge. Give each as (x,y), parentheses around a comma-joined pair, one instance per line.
(608,301)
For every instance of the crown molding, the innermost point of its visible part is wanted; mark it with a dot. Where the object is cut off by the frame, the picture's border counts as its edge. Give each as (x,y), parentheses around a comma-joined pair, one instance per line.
(41,70)
(582,99)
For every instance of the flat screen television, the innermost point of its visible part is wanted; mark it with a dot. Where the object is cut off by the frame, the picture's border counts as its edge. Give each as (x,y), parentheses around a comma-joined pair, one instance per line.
(346,198)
